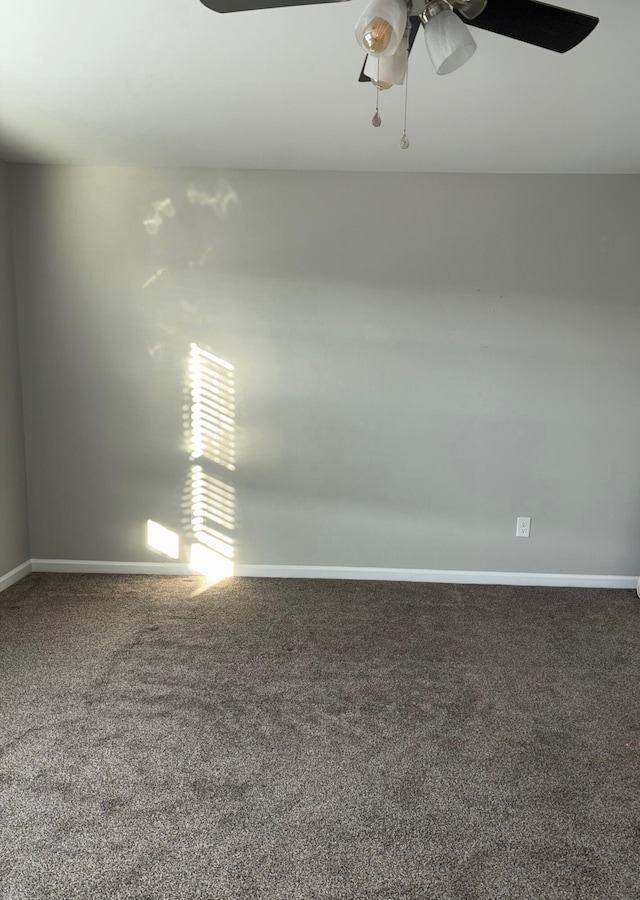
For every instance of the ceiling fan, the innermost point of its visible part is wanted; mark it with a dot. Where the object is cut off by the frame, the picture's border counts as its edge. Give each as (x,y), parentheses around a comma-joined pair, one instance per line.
(536,23)
(387,30)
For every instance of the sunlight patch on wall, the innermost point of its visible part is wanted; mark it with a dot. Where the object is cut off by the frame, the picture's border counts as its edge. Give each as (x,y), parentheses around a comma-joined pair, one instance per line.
(219,202)
(153,278)
(213,566)
(162,540)
(160,210)
(212,408)
(212,501)
(209,499)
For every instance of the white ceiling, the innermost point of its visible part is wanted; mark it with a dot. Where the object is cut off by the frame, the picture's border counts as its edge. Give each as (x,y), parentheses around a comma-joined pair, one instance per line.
(168,82)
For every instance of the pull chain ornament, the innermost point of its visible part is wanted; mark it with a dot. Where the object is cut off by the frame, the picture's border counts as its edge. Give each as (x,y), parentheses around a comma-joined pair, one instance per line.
(377,121)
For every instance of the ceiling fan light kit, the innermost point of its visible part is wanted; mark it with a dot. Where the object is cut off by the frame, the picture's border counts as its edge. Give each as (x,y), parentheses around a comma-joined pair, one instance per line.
(449,42)
(387,29)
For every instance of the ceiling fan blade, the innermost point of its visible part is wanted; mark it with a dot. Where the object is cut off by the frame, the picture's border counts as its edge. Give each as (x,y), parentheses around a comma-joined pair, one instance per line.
(415,24)
(535,23)
(228,6)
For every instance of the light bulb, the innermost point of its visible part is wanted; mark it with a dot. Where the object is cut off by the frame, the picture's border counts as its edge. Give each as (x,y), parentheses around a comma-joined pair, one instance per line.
(376,35)
(381,27)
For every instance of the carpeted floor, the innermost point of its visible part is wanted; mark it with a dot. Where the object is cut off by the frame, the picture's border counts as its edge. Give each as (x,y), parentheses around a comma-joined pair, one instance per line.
(314,739)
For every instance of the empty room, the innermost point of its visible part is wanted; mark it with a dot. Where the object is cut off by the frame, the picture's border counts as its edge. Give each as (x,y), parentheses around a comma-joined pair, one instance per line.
(319,450)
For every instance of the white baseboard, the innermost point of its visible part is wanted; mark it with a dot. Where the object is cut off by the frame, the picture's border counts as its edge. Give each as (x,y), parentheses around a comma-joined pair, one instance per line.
(15,575)
(450,576)
(102,567)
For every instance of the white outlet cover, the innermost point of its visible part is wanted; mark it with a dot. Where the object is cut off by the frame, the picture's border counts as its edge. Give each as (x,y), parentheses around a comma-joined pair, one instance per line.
(523,526)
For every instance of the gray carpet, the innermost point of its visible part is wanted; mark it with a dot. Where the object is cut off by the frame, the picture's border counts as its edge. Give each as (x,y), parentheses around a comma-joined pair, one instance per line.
(316,739)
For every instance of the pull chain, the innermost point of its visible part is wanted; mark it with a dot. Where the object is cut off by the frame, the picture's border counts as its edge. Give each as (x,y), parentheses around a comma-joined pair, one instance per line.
(404,140)
(377,121)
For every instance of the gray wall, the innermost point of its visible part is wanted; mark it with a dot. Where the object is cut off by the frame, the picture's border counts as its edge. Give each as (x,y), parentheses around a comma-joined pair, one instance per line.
(14,534)
(418,360)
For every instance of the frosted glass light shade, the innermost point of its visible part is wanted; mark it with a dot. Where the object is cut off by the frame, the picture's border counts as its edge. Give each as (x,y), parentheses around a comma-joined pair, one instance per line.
(388,70)
(448,41)
(381,27)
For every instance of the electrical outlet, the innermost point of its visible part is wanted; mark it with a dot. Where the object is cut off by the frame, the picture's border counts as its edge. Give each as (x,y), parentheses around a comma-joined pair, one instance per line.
(523,526)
